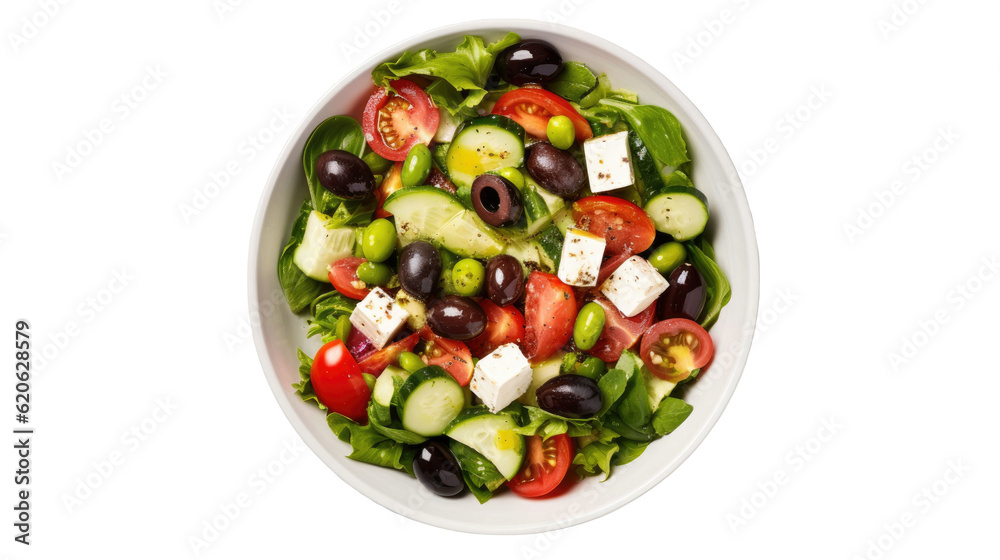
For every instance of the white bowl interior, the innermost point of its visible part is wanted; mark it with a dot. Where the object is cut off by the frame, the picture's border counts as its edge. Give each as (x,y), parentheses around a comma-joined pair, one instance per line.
(279,334)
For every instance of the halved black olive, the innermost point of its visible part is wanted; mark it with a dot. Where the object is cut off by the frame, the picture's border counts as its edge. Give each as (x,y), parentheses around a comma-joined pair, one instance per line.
(496,200)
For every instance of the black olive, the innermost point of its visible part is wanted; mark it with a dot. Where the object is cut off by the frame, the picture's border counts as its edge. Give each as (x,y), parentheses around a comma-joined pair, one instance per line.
(531,61)
(456,317)
(496,200)
(685,296)
(436,467)
(570,396)
(344,174)
(419,269)
(557,171)
(504,280)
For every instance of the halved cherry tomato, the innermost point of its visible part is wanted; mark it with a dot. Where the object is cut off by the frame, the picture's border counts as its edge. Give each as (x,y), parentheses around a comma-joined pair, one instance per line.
(394,122)
(376,361)
(392,182)
(623,225)
(441,181)
(672,349)
(503,325)
(344,277)
(338,383)
(452,355)
(620,333)
(545,466)
(549,312)
(533,107)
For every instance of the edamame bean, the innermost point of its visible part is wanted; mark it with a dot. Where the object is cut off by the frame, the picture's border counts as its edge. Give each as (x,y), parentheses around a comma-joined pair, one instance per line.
(374,274)
(592,368)
(667,257)
(343,327)
(410,362)
(416,166)
(588,327)
(513,175)
(468,277)
(379,240)
(561,132)
(378,164)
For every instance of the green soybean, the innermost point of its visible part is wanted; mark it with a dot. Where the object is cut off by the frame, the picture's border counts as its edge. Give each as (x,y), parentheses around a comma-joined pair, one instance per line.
(410,362)
(561,132)
(468,277)
(416,166)
(513,175)
(588,327)
(374,274)
(379,240)
(592,367)
(378,164)
(667,257)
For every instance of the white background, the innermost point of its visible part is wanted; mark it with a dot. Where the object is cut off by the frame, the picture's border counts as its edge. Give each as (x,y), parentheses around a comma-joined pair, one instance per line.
(828,443)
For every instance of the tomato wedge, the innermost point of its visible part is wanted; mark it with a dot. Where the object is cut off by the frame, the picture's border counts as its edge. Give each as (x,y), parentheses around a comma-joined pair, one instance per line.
(503,325)
(394,122)
(545,465)
(337,381)
(674,348)
(452,355)
(623,225)
(344,277)
(533,107)
(620,333)
(375,362)
(392,182)
(549,313)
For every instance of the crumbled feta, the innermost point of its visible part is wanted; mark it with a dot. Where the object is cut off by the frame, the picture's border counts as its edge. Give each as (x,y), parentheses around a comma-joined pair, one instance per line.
(608,164)
(379,317)
(501,377)
(581,258)
(634,286)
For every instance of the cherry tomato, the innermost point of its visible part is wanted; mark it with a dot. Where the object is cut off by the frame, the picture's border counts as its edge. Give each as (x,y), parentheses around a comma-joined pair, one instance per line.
(394,122)
(376,361)
(503,325)
(672,349)
(625,226)
(391,183)
(441,181)
(533,107)
(338,383)
(620,333)
(545,465)
(452,355)
(344,277)
(549,312)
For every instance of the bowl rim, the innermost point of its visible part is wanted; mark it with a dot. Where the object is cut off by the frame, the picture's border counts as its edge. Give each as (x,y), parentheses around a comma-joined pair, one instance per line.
(478,27)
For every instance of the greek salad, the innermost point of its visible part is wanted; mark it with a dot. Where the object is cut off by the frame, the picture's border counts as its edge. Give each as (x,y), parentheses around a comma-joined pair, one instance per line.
(506,262)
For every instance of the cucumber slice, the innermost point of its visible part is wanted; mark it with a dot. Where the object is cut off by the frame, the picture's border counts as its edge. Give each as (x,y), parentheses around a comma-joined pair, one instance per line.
(434,215)
(484,144)
(493,436)
(429,400)
(539,375)
(321,246)
(384,385)
(679,211)
(532,255)
(656,388)
(539,205)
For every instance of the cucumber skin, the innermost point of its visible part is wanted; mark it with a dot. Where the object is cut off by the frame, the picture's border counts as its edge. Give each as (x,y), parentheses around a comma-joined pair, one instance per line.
(416,379)
(678,190)
(644,163)
(498,121)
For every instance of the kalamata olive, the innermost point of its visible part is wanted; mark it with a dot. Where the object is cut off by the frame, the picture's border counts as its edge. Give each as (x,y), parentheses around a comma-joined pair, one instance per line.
(557,171)
(570,396)
(496,200)
(419,269)
(531,61)
(504,280)
(685,297)
(436,467)
(456,317)
(344,174)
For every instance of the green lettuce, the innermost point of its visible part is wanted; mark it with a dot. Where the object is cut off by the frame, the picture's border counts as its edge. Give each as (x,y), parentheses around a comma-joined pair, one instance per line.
(717,289)
(370,446)
(481,477)
(658,128)
(331,313)
(299,289)
(304,387)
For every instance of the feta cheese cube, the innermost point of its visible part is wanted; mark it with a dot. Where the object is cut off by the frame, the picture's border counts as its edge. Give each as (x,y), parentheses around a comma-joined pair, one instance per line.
(608,164)
(581,258)
(501,377)
(634,286)
(379,317)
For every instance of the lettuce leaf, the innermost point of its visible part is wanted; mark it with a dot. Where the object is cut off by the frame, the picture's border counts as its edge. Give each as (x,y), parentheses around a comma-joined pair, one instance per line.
(298,288)
(481,477)
(331,316)
(370,446)
(671,413)
(717,289)
(658,128)
(304,387)
(535,421)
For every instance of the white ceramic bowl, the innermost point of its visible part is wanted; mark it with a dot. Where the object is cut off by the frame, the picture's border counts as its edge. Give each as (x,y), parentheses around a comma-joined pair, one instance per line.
(280,332)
